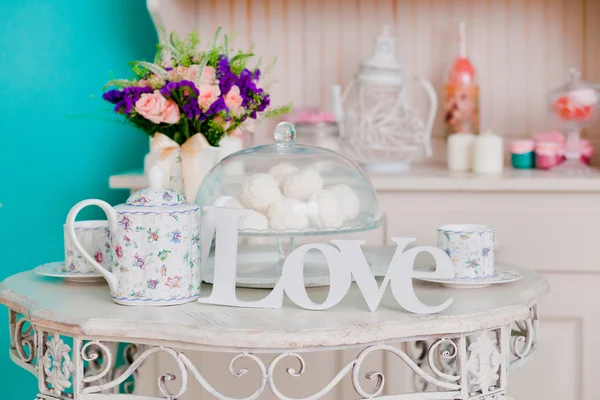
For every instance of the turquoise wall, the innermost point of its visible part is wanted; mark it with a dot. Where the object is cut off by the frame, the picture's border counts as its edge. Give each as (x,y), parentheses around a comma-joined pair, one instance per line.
(58,141)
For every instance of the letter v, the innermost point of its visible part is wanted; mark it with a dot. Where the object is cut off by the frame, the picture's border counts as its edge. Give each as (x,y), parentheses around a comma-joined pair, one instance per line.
(354,258)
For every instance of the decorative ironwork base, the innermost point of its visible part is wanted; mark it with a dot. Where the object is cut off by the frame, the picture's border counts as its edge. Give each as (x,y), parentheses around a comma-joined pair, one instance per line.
(462,366)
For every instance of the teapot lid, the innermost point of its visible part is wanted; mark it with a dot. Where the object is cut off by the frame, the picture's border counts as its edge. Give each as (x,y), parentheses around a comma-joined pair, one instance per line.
(382,67)
(155,195)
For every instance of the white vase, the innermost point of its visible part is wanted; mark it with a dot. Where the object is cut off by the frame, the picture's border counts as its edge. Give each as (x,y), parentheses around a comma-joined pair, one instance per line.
(185,170)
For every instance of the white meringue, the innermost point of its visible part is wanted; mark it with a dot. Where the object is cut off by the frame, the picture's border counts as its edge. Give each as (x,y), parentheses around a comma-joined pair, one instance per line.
(326,210)
(287,214)
(259,192)
(280,171)
(302,184)
(255,221)
(348,198)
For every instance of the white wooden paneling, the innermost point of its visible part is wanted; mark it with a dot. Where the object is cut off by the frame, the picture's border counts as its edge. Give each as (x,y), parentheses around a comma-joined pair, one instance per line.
(521,48)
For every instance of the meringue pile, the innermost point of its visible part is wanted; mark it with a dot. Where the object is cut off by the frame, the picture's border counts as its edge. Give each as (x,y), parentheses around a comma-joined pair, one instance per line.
(288,198)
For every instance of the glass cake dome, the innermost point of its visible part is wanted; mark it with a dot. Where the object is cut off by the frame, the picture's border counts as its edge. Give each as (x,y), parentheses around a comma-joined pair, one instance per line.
(294,190)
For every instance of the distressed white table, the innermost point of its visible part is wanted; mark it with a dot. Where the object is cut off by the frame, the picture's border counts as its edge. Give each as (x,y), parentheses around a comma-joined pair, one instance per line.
(68,335)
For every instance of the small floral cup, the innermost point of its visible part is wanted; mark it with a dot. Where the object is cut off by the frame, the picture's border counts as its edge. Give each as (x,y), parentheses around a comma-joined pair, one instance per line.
(471,248)
(95,238)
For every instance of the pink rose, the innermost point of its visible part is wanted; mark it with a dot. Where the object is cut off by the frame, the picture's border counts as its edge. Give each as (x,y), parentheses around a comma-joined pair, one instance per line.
(119,251)
(208,95)
(233,100)
(208,75)
(98,256)
(191,72)
(171,113)
(151,106)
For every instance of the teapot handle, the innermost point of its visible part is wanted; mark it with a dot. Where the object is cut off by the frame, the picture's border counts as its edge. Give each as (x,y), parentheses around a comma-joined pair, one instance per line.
(112,224)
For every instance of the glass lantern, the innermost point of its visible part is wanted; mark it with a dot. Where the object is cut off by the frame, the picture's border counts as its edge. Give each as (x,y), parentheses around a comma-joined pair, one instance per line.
(377,126)
(294,190)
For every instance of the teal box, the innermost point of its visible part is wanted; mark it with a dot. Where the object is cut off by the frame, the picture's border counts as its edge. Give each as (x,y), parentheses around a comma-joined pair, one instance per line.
(523,160)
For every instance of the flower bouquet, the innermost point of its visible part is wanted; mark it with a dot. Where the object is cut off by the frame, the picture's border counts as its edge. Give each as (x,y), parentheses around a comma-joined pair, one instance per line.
(190,102)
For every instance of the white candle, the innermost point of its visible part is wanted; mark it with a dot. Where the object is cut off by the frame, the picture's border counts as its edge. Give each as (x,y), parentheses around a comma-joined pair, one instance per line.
(488,154)
(460,151)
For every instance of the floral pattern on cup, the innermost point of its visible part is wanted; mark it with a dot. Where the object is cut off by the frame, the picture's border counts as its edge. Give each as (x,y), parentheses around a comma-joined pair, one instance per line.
(156,259)
(95,238)
(470,247)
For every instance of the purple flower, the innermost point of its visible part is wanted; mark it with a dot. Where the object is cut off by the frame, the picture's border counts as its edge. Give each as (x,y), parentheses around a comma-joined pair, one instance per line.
(125,99)
(113,96)
(170,87)
(131,95)
(256,74)
(189,85)
(191,108)
(227,79)
(216,107)
(247,87)
(266,101)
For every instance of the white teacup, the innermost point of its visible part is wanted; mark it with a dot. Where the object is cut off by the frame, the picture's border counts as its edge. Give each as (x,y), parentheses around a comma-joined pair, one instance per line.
(471,248)
(95,239)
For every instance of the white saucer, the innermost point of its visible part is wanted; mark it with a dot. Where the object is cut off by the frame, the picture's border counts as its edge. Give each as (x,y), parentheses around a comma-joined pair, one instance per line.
(55,270)
(256,267)
(501,275)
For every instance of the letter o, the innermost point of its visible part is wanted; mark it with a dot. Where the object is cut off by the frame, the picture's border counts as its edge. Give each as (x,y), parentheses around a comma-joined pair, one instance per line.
(292,276)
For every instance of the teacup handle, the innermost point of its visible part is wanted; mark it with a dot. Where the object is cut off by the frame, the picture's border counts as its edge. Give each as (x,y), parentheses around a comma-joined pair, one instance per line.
(112,224)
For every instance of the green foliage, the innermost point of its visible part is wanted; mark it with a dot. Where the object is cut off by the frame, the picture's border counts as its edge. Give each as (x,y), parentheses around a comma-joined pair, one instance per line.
(276,112)
(139,71)
(149,67)
(239,61)
(120,83)
(214,132)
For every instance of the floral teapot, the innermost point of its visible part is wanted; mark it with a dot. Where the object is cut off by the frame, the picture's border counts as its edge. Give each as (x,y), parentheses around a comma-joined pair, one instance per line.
(154,246)
(377,126)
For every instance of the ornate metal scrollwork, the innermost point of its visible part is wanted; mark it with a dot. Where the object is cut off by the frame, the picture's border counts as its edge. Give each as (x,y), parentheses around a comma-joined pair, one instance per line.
(102,366)
(187,370)
(484,363)
(93,357)
(23,337)
(131,369)
(439,356)
(57,365)
(522,341)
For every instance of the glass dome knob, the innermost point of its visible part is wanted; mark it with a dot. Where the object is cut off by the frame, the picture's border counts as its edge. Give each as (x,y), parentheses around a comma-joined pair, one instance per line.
(285,133)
